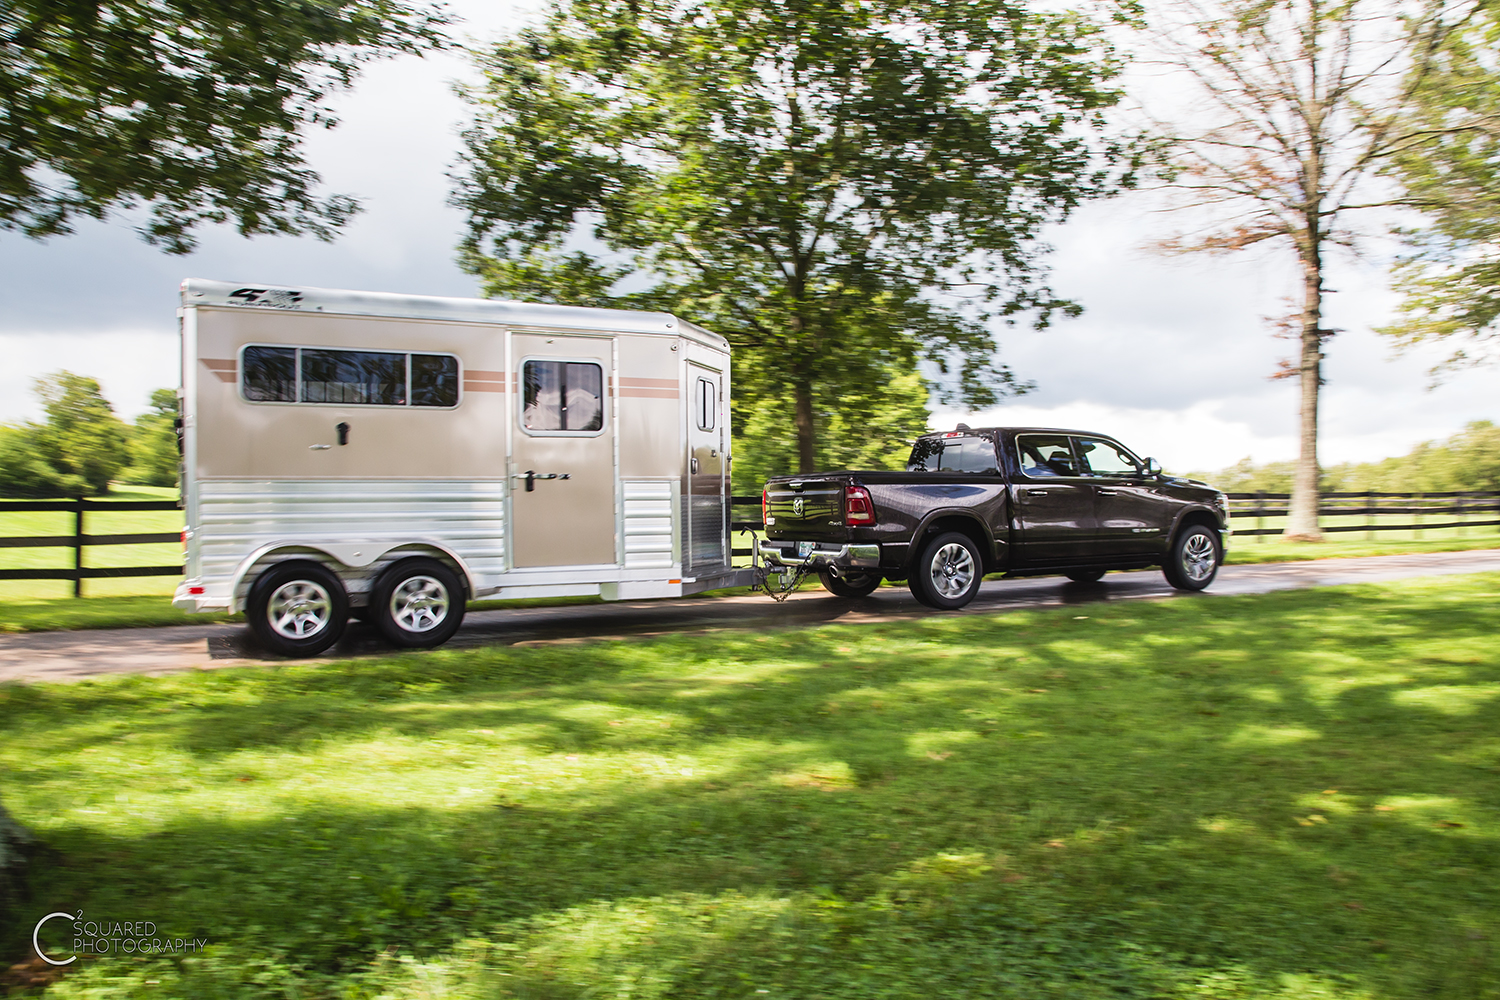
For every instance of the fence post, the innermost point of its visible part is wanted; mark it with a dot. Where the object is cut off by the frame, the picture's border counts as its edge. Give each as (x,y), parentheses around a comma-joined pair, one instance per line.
(78,547)
(1260,515)
(1370,515)
(1416,515)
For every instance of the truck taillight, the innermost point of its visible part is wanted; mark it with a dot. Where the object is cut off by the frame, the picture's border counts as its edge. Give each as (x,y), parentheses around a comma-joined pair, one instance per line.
(858,507)
(765,507)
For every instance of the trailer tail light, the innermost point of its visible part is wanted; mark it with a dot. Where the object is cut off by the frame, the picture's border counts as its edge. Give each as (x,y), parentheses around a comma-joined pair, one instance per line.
(858,507)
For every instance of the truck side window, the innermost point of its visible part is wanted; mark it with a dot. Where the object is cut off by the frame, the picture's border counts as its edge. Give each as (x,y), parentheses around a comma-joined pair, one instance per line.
(1105,458)
(959,454)
(1045,455)
(271,374)
(562,396)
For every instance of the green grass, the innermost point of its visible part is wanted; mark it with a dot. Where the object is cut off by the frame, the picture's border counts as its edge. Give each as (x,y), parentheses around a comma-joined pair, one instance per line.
(1289,795)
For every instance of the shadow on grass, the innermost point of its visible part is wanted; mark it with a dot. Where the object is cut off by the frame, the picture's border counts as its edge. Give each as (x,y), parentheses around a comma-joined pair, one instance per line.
(1281,785)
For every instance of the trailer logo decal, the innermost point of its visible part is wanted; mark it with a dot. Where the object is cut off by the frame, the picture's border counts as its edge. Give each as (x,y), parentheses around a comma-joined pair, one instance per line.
(268,298)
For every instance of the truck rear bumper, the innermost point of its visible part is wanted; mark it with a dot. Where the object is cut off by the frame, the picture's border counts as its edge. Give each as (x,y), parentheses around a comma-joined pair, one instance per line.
(816,555)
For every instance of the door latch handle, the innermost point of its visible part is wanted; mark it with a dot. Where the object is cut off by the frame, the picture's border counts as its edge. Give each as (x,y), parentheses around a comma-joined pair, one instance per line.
(1036,493)
(1108,493)
(531,477)
(694,465)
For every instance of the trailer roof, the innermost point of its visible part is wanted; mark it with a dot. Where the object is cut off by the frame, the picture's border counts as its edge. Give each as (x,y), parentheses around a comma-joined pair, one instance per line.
(301,298)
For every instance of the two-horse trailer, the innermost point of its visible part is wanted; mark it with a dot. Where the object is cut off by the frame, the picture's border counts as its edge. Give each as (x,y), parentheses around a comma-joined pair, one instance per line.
(392,456)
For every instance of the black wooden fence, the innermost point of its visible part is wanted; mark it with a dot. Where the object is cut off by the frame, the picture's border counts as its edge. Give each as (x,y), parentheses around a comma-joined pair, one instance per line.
(78,540)
(1358,511)
(1414,508)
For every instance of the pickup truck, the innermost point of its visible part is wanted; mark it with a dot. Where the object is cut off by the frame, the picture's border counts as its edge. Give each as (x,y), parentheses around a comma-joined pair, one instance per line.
(1023,501)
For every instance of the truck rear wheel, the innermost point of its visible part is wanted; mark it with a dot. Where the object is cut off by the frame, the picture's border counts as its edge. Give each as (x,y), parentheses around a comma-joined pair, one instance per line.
(297,608)
(948,572)
(417,603)
(852,584)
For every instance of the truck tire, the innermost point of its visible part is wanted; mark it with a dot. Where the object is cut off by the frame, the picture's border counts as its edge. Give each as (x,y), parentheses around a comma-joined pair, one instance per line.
(1085,575)
(417,603)
(948,572)
(297,608)
(1194,558)
(853,583)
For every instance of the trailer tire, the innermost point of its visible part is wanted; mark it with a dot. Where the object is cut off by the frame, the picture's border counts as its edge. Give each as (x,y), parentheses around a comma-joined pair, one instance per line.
(417,603)
(297,608)
(852,584)
(947,574)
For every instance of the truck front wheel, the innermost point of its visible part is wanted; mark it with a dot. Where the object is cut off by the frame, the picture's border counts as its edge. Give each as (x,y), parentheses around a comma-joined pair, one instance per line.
(948,572)
(1194,558)
(297,608)
(852,584)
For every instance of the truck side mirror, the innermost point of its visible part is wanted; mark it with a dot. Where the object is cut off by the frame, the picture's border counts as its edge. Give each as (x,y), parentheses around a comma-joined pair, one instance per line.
(1153,467)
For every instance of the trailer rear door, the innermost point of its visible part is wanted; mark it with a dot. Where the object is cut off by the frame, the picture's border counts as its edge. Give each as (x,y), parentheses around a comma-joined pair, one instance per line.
(708,517)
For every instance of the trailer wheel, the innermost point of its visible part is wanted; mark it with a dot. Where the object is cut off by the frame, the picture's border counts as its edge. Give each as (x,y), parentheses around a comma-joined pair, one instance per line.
(851,584)
(948,572)
(298,608)
(418,603)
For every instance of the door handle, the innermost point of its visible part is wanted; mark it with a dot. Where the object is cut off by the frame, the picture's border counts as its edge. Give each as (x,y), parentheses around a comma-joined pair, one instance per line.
(1107,493)
(532,477)
(1035,493)
(695,465)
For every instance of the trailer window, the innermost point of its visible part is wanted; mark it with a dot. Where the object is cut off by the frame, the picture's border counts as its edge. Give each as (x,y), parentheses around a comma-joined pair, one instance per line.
(434,380)
(562,396)
(360,377)
(706,402)
(271,374)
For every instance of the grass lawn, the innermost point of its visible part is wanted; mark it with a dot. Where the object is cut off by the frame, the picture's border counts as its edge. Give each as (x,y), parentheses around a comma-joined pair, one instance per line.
(1294,795)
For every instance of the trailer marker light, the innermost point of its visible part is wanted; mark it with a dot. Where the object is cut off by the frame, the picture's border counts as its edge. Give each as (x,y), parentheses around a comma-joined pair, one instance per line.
(195,590)
(858,507)
(674,581)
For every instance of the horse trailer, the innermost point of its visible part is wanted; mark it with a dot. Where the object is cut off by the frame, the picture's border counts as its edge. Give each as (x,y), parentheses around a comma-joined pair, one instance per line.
(391,457)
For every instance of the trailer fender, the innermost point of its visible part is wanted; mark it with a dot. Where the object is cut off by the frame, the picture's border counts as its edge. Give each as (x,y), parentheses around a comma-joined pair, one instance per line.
(346,556)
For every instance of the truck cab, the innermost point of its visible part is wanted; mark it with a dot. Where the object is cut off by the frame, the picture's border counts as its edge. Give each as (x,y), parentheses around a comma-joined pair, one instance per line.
(1022,501)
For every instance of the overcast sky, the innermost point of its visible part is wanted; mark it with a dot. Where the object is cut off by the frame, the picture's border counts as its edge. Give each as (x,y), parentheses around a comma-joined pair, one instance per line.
(1171,355)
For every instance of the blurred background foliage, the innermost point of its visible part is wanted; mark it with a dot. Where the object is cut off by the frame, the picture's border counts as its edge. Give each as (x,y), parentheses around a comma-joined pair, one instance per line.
(1469,460)
(82,446)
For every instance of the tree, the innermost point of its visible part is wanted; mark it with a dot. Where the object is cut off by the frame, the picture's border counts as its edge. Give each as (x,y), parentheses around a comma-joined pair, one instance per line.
(194,110)
(1307,99)
(840,189)
(153,442)
(80,449)
(1450,279)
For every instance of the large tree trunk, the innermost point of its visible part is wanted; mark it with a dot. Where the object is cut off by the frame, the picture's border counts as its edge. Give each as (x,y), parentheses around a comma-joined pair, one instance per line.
(1302,524)
(807,457)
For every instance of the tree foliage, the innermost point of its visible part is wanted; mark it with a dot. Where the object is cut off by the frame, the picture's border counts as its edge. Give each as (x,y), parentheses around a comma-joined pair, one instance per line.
(192,109)
(843,190)
(1305,99)
(153,443)
(79,449)
(1469,460)
(1450,279)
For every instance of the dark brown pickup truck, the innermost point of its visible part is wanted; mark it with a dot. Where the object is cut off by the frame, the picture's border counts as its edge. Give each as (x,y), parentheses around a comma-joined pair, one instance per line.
(1024,501)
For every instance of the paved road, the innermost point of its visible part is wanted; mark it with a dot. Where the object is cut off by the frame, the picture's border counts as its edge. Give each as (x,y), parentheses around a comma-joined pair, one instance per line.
(66,656)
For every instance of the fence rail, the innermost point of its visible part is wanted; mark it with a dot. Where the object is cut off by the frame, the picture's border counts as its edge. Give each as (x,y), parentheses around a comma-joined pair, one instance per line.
(1373,504)
(80,540)
(1242,506)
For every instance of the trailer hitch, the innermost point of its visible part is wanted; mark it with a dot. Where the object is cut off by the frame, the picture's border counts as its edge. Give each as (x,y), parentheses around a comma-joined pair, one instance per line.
(786,581)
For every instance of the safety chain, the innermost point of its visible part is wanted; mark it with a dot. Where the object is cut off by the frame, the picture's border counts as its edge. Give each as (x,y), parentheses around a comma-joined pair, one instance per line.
(778,592)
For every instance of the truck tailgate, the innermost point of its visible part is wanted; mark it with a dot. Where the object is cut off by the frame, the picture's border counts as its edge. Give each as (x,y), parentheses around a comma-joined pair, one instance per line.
(810,508)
